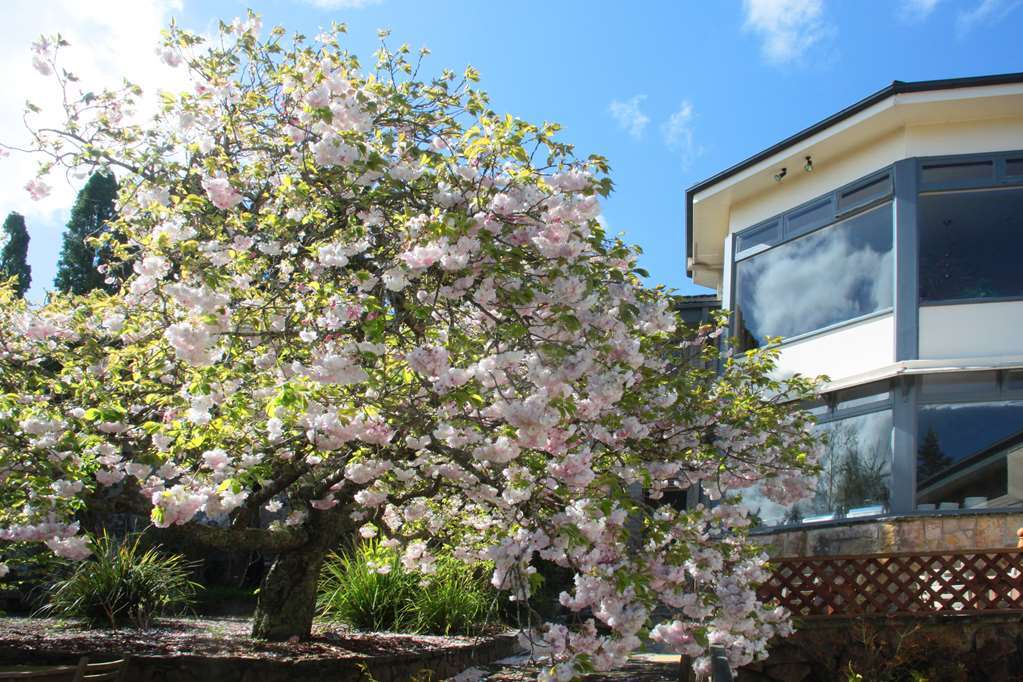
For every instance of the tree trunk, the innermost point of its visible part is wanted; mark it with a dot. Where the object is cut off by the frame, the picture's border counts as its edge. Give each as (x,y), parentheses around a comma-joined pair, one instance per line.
(287,597)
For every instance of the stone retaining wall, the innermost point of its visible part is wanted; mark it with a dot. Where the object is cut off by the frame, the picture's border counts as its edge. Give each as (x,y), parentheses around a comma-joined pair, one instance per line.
(436,665)
(901,534)
(957,649)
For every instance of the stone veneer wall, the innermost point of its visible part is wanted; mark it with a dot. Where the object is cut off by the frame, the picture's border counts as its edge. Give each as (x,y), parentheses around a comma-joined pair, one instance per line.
(936,532)
(958,649)
(430,665)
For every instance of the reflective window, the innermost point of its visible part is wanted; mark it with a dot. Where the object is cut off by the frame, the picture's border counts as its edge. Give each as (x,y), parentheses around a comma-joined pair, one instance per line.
(970,455)
(860,396)
(854,480)
(864,194)
(970,244)
(1014,380)
(965,171)
(805,219)
(936,174)
(952,384)
(1014,167)
(763,235)
(829,276)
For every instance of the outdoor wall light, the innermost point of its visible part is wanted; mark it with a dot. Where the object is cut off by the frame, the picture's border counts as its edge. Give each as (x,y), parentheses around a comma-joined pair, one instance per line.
(808,166)
(780,174)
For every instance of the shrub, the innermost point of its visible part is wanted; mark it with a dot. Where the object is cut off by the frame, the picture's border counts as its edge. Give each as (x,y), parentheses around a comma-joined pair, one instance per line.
(455,600)
(123,582)
(368,589)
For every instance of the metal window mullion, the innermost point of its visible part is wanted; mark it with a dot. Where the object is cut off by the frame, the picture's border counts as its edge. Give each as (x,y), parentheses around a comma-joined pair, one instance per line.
(904,417)
(907,304)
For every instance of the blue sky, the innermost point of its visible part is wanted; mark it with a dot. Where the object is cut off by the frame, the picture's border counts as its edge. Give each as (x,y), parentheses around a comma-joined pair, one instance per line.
(671,92)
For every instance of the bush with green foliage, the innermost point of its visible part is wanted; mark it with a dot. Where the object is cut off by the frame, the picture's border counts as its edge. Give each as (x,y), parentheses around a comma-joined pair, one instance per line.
(368,588)
(124,583)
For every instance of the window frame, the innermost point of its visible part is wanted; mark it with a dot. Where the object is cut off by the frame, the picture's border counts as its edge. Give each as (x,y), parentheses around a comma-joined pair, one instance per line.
(1008,185)
(1000,177)
(1001,392)
(905,398)
(787,234)
(833,414)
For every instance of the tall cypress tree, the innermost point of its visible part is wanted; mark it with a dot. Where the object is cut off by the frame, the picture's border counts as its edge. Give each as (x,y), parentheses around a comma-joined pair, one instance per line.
(77,270)
(14,256)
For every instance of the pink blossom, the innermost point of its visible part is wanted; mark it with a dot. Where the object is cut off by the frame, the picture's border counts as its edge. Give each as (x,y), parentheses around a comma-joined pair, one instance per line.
(75,548)
(324,503)
(37,189)
(221,193)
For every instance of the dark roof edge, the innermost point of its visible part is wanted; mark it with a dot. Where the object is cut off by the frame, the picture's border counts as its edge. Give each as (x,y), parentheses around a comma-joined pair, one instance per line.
(896,88)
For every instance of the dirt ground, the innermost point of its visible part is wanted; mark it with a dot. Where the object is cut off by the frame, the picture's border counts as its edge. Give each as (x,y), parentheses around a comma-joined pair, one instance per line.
(213,637)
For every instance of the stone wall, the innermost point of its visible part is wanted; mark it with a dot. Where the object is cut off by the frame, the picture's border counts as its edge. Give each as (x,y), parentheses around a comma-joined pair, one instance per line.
(433,665)
(936,532)
(958,649)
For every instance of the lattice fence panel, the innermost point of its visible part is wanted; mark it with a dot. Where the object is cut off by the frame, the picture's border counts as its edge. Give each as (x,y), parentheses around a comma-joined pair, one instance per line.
(967,581)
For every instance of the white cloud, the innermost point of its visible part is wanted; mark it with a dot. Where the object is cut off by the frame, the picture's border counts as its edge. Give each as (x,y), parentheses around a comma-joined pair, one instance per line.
(342,4)
(678,132)
(628,115)
(985,12)
(787,28)
(108,43)
(916,10)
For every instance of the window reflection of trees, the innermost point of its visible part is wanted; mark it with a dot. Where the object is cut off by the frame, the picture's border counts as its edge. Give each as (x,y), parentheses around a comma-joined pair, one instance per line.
(855,465)
(931,459)
(963,452)
(855,473)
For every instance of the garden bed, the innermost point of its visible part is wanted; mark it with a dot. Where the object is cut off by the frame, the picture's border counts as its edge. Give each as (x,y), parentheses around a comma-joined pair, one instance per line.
(193,649)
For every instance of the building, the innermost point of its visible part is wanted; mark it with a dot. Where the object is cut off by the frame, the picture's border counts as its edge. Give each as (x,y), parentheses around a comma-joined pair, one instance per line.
(883,245)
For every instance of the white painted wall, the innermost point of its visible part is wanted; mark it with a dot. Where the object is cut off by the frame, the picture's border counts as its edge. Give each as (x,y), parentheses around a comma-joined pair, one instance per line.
(965,137)
(842,353)
(973,330)
(828,175)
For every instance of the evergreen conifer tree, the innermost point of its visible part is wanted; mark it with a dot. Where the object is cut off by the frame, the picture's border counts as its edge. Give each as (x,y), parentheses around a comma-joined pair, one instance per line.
(931,459)
(78,269)
(14,255)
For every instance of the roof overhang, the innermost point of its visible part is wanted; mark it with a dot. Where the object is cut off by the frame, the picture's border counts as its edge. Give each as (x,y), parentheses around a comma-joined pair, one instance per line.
(897,106)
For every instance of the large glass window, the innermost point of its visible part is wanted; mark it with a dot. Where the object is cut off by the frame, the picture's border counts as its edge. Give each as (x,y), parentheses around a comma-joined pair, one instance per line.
(854,480)
(829,276)
(970,244)
(970,455)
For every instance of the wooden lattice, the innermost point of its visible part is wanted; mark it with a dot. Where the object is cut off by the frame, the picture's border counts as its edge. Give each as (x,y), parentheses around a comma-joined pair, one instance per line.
(905,583)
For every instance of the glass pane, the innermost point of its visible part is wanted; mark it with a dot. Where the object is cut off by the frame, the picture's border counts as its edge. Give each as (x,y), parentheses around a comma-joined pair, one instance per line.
(970,455)
(765,234)
(862,395)
(970,244)
(1014,167)
(827,277)
(808,218)
(955,384)
(817,408)
(855,476)
(863,194)
(945,173)
(1014,380)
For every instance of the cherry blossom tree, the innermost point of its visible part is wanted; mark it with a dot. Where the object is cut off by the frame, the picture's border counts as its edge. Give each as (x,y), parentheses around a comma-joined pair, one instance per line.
(360,303)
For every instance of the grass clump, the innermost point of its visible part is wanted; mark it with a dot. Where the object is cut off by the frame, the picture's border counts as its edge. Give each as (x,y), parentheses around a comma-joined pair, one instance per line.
(368,588)
(124,583)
